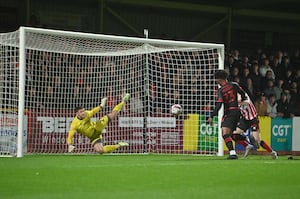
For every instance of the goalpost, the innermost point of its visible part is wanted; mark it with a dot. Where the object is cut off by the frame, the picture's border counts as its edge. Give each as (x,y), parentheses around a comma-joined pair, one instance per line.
(45,74)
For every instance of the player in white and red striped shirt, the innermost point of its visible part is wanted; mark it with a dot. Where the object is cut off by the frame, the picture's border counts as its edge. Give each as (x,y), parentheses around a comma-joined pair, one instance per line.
(248,120)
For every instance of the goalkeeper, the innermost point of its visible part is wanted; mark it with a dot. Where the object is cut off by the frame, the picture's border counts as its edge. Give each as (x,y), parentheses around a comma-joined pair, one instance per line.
(93,130)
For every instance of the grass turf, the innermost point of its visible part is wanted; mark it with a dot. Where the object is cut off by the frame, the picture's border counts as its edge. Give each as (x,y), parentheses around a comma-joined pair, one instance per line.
(148,176)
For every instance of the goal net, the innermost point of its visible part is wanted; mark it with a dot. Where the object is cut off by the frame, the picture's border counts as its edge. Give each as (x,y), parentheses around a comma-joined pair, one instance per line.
(45,74)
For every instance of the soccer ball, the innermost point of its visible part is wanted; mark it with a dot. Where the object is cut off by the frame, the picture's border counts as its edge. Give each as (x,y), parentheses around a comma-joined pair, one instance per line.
(176,109)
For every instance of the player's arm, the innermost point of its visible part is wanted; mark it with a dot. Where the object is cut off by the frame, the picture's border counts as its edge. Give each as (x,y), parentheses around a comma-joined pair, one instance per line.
(217,107)
(97,108)
(216,110)
(242,93)
(243,104)
(71,134)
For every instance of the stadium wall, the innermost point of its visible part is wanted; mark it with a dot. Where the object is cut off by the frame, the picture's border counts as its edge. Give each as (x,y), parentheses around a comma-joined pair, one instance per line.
(190,133)
(281,133)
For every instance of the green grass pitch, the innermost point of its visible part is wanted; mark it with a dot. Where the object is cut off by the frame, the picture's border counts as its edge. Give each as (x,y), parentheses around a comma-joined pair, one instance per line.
(148,176)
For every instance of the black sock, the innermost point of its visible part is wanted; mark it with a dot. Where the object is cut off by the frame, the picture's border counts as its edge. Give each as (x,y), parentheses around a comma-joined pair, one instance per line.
(228,142)
(237,137)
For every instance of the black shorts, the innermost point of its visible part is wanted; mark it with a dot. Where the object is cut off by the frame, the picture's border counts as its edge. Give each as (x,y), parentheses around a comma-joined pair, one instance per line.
(246,124)
(231,119)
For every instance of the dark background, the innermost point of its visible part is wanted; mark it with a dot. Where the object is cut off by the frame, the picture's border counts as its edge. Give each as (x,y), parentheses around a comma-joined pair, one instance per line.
(243,24)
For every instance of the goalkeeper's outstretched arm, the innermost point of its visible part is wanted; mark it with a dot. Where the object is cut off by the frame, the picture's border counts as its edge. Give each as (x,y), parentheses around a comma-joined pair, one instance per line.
(70,138)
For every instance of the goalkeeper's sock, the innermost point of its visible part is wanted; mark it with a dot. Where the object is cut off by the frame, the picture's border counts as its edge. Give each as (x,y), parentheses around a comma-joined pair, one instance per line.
(119,107)
(266,146)
(110,148)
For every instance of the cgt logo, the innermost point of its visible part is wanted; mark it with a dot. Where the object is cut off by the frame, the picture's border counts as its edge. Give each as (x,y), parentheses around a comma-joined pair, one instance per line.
(208,129)
(281,130)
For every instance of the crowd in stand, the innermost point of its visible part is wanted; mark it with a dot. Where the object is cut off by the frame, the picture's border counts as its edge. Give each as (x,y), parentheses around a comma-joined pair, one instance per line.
(272,80)
(62,81)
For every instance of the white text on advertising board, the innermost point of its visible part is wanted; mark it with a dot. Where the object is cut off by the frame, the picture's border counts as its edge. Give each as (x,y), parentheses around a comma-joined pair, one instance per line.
(281,130)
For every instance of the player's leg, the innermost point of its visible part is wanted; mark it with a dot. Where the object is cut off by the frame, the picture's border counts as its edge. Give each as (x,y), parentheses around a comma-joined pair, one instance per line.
(241,139)
(226,132)
(255,137)
(256,134)
(229,124)
(97,137)
(263,144)
(116,110)
(99,148)
(103,102)
(102,123)
(238,137)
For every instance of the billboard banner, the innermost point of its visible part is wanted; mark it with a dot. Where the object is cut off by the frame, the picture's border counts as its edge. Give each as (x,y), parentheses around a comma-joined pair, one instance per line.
(296,134)
(200,136)
(9,133)
(208,134)
(282,134)
(48,132)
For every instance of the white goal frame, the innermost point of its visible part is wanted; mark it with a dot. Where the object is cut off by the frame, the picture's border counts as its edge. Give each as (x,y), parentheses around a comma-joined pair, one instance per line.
(22,67)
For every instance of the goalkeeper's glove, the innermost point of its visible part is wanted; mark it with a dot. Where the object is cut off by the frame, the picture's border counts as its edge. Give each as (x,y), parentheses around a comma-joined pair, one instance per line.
(103,102)
(71,148)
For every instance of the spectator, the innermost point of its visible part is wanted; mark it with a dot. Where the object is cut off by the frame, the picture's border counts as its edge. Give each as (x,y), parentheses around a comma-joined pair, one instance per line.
(295,59)
(245,62)
(230,62)
(165,100)
(279,54)
(256,77)
(244,76)
(278,88)
(136,103)
(297,76)
(234,74)
(236,55)
(256,55)
(250,89)
(295,96)
(285,64)
(261,105)
(153,99)
(272,106)
(266,67)
(278,70)
(284,108)
(176,97)
(269,90)
(111,98)
(288,78)
(262,58)
(265,80)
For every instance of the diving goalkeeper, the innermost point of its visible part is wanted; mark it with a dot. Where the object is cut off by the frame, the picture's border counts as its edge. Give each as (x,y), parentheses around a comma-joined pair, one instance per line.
(83,124)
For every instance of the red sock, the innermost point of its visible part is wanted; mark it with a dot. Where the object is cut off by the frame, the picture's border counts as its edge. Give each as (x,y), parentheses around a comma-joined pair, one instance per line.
(266,146)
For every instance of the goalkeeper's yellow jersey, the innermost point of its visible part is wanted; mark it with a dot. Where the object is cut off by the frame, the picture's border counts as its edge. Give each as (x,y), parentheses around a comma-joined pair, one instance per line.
(83,126)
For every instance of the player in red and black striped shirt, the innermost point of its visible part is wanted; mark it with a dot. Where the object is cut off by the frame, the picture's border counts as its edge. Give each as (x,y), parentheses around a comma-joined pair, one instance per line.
(227,95)
(250,120)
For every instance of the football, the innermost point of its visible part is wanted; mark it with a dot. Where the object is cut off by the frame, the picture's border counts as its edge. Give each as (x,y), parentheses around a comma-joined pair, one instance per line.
(176,109)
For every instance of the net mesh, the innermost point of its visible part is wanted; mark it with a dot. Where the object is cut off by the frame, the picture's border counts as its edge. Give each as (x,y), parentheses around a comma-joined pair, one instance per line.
(9,76)
(64,71)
